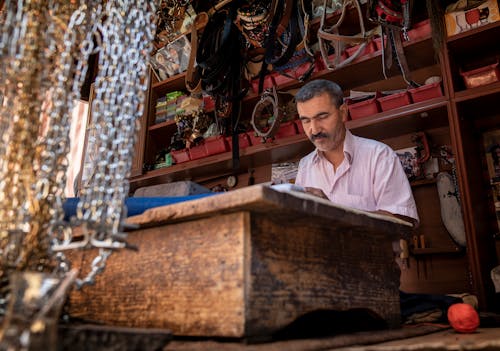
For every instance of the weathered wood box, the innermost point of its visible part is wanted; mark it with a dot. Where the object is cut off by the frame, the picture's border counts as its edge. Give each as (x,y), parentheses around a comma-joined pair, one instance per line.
(244,263)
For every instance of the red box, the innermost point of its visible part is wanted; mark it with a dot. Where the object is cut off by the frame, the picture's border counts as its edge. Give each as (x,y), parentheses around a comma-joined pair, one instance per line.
(216,145)
(363,108)
(300,127)
(286,129)
(198,151)
(426,92)
(370,48)
(396,100)
(243,141)
(180,156)
(481,76)
(420,30)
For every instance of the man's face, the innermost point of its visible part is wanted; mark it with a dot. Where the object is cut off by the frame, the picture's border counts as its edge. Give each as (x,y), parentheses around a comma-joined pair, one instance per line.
(323,122)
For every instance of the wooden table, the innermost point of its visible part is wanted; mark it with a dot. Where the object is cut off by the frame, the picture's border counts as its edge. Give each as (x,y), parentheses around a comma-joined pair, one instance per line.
(245,264)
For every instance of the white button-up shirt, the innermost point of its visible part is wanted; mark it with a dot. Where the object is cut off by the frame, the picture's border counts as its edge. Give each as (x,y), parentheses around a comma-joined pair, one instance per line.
(369,178)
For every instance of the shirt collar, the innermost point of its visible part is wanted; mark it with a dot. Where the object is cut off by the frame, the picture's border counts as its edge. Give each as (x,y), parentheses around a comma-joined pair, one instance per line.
(348,149)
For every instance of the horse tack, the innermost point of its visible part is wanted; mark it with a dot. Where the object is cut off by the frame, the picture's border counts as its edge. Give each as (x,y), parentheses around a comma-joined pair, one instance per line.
(193,78)
(282,40)
(394,18)
(277,27)
(333,35)
(297,51)
(253,20)
(279,102)
(193,75)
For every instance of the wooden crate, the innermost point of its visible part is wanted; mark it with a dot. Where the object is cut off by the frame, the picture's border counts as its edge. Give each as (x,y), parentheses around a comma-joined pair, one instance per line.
(244,264)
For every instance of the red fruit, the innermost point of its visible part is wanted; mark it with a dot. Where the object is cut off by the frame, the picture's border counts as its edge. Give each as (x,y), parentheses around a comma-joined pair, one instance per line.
(463,318)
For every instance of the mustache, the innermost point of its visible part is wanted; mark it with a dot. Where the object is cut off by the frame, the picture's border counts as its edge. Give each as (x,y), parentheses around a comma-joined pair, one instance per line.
(319,135)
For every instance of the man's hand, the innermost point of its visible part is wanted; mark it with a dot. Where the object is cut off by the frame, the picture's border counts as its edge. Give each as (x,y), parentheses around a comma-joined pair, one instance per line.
(316,192)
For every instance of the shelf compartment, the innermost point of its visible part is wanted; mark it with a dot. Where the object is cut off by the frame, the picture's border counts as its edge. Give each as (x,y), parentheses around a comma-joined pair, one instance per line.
(161,125)
(482,93)
(176,82)
(412,118)
(408,119)
(476,37)
(205,168)
(419,54)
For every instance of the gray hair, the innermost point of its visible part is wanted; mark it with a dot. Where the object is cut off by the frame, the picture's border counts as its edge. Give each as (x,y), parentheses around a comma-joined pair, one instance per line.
(318,87)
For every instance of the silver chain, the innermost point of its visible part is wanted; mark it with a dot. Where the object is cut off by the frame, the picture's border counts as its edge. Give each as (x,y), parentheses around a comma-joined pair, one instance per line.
(25,75)
(33,159)
(126,35)
(76,47)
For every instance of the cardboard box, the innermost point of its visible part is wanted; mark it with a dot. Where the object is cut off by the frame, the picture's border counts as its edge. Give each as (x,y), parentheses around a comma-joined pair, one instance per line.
(464,20)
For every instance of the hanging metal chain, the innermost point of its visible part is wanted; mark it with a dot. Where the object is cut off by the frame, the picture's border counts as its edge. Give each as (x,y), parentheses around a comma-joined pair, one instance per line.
(76,43)
(35,68)
(24,77)
(126,33)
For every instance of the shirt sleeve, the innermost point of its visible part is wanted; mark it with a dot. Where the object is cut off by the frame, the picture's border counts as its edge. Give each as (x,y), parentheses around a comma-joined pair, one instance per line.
(392,190)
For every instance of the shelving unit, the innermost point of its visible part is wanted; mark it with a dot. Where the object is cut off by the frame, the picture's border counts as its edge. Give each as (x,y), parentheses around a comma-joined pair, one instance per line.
(472,112)
(457,118)
(405,120)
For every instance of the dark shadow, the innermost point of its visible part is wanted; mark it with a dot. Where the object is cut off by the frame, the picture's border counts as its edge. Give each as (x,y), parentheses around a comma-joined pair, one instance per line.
(322,323)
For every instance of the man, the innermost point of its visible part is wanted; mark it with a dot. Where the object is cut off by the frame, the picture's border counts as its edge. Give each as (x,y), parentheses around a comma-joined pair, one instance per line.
(346,169)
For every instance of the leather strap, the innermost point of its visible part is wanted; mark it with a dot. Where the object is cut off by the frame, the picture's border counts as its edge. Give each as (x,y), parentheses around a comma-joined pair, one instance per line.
(193,78)
(332,34)
(392,49)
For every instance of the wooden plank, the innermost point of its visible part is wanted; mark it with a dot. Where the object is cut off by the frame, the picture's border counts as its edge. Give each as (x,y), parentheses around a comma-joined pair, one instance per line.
(186,277)
(303,265)
(265,200)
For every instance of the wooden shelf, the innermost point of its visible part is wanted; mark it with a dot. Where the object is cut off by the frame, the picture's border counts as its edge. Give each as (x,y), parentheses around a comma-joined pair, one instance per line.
(423,182)
(436,251)
(365,69)
(279,150)
(161,125)
(408,119)
(176,82)
(470,37)
(479,92)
